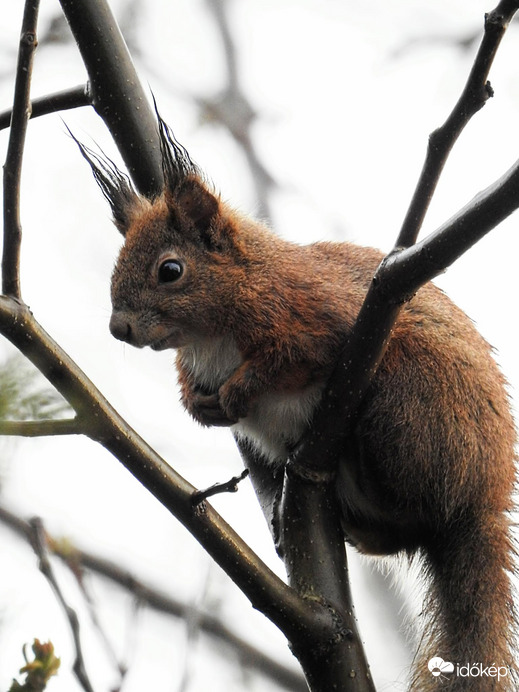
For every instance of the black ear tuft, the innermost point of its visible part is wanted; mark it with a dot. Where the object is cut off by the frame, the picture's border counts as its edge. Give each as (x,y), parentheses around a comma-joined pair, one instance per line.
(184,183)
(115,185)
(176,162)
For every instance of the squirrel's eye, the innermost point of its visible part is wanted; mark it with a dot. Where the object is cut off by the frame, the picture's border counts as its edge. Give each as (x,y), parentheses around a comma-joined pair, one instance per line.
(170,270)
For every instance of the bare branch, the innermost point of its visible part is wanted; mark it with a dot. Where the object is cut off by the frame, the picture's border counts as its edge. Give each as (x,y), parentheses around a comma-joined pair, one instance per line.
(41,428)
(312,544)
(13,162)
(293,615)
(117,94)
(474,96)
(52,103)
(399,276)
(38,542)
(77,571)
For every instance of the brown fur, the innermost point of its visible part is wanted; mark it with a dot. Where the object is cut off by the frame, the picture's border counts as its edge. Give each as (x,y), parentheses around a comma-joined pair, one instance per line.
(259,323)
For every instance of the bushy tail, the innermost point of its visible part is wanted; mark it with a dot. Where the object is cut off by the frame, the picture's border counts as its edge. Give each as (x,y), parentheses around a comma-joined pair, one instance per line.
(471,632)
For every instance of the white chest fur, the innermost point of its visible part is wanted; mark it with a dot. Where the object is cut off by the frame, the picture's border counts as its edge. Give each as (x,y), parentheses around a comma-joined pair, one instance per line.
(211,361)
(276,420)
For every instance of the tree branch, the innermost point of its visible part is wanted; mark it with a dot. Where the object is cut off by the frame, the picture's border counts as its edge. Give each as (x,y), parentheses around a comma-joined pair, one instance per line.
(399,276)
(52,103)
(473,97)
(314,553)
(41,428)
(397,279)
(103,424)
(13,162)
(117,94)
(232,109)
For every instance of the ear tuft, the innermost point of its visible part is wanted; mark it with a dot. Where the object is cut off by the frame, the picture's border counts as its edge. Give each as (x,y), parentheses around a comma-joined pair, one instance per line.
(115,185)
(177,165)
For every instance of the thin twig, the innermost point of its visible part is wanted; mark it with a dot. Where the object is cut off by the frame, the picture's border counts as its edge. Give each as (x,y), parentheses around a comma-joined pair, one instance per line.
(193,617)
(52,103)
(39,542)
(473,97)
(41,428)
(230,486)
(13,162)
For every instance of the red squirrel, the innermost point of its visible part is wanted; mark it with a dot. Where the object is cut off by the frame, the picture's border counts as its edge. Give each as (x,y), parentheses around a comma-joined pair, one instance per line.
(258,324)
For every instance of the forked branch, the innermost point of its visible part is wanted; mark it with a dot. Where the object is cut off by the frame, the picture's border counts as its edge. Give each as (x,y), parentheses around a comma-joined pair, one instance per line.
(473,97)
(52,103)
(409,266)
(301,619)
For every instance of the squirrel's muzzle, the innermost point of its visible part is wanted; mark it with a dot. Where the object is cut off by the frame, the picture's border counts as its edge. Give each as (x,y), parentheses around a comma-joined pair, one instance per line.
(120,327)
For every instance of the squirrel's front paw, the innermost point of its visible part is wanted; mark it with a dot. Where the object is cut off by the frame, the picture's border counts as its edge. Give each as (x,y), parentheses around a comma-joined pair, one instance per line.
(207,410)
(233,402)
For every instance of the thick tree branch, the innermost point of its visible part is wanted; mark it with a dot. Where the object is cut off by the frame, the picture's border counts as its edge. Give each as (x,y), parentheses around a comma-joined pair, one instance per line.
(13,162)
(293,615)
(117,94)
(312,543)
(304,519)
(397,279)
(474,96)
(52,103)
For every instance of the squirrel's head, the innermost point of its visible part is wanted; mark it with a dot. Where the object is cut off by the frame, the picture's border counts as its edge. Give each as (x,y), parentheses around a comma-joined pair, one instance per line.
(174,271)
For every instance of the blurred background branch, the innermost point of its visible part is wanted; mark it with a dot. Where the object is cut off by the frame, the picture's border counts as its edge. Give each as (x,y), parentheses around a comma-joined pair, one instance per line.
(83,563)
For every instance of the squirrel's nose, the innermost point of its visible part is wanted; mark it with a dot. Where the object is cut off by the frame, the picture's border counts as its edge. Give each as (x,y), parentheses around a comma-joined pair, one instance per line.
(120,327)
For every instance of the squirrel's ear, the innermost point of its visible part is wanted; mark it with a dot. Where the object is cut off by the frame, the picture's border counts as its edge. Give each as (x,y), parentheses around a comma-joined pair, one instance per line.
(197,203)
